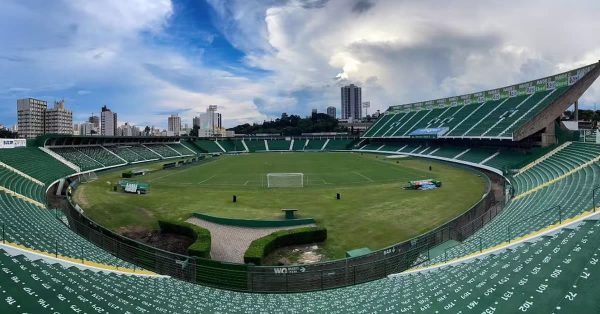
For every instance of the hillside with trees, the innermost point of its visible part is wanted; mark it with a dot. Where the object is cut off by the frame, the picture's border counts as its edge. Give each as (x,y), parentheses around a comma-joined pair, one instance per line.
(293,125)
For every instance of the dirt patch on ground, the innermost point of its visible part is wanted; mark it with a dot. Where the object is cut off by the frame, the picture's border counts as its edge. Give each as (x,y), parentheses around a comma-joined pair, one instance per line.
(175,243)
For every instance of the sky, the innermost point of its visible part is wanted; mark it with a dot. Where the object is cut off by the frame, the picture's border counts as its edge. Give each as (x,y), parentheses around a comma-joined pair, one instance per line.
(255,59)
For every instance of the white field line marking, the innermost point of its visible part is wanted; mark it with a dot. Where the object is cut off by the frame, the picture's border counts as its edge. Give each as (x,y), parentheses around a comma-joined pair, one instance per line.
(176,170)
(362,175)
(161,177)
(246,183)
(207,179)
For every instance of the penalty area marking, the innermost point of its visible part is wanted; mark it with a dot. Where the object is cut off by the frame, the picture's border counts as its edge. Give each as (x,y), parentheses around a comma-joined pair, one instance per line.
(362,175)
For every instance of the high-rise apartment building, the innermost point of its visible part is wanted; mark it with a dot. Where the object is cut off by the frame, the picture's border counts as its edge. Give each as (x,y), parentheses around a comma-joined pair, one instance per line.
(108,122)
(59,120)
(351,102)
(196,122)
(95,120)
(30,117)
(210,121)
(174,125)
(331,111)
(87,128)
(128,130)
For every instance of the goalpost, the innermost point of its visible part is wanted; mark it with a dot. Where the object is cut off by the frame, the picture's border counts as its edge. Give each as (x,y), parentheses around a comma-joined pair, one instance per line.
(285,180)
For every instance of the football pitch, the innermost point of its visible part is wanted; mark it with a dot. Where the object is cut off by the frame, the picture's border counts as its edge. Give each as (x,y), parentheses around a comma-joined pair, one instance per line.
(374,211)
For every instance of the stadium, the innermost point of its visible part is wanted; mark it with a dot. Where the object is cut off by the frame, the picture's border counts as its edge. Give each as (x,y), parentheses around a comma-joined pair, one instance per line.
(517,229)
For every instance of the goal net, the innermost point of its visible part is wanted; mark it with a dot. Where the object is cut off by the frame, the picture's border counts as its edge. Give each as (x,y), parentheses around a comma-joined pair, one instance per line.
(285,180)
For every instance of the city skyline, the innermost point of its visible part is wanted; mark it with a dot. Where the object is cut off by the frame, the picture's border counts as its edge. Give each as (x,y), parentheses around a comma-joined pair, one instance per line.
(147,60)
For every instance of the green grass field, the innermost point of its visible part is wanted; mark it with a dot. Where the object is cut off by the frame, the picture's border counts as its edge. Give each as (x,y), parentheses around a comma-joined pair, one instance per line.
(374,210)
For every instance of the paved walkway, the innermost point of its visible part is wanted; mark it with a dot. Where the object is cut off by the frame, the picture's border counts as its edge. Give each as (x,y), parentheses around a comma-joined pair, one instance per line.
(229,243)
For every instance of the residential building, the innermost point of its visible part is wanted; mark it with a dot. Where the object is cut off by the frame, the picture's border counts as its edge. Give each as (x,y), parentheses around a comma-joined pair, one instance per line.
(196,122)
(331,111)
(174,125)
(95,121)
(30,117)
(76,129)
(210,123)
(87,128)
(108,122)
(128,130)
(351,99)
(59,120)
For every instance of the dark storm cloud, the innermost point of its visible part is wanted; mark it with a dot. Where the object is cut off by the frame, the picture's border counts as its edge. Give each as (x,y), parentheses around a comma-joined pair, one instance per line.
(422,67)
(362,6)
(313,4)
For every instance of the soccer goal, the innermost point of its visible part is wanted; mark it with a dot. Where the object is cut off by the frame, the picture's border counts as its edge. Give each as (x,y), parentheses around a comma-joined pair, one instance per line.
(285,180)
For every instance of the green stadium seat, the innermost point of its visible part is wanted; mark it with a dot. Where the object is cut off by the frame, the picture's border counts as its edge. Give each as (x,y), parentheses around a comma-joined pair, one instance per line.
(39,228)
(541,276)
(279,145)
(299,144)
(255,145)
(36,163)
(127,153)
(181,149)
(232,145)
(89,157)
(162,150)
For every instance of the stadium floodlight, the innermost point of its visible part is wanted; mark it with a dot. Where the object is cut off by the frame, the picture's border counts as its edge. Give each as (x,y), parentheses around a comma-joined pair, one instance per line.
(285,180)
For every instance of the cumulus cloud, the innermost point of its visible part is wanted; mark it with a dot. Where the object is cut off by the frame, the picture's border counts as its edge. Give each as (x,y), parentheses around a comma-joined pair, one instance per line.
(403,51)
(399,51)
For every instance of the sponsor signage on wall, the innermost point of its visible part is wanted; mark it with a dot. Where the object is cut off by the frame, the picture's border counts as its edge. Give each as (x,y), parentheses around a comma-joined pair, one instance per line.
(12,142)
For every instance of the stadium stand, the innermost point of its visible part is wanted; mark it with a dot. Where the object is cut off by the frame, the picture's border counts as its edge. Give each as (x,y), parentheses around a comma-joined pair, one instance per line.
(544,195)
(255,145)
(340,144)
(77,157)
(314,144)
(19,184)
(502,159)
(508,159)
(563,267)
(208,146)
(28,161)
(190,144)
(490,114)
(232,145)
(39,229)
(275,145)
(144,152)
(182,150)
(556,165)
(299,144)
(126,153)
(163,150)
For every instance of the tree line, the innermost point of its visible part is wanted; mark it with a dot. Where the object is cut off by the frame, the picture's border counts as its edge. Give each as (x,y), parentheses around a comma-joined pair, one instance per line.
(293,125)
